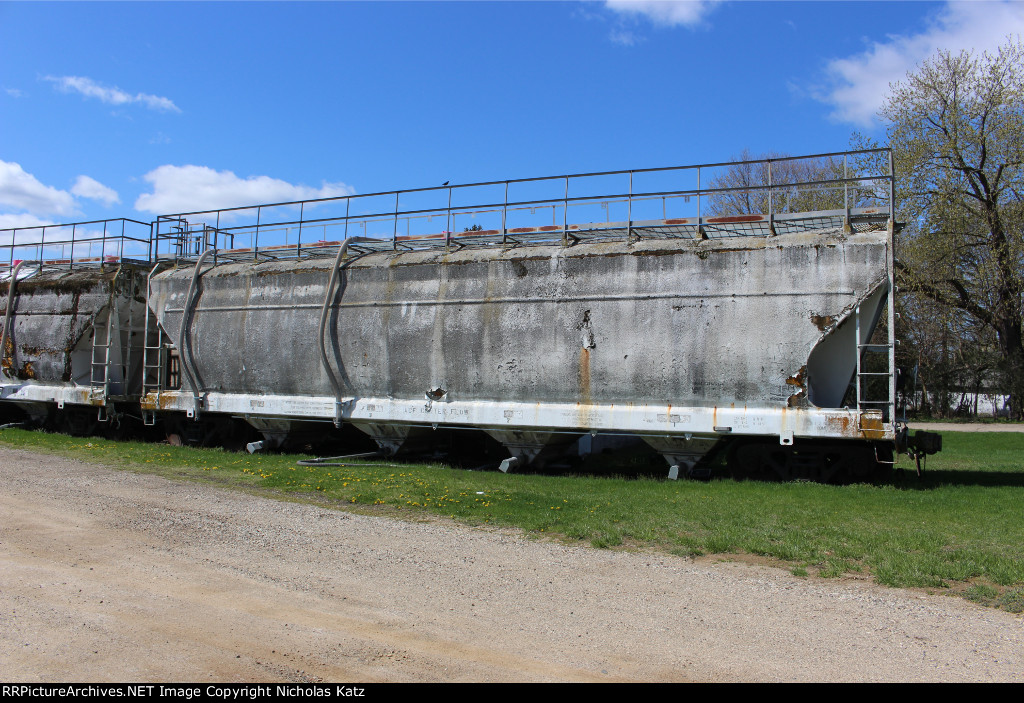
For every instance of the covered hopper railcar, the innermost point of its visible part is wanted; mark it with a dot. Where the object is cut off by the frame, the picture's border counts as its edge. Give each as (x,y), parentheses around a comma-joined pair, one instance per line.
(73,321)
(621,308)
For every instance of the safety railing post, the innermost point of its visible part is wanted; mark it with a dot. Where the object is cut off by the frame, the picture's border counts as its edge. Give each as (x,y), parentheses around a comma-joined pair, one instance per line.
(892,188)
(348,204)
(699,230)
(448,220)
(629,210)
(846,196)
(504,217)
(394,230)
(565,214)
(256,244)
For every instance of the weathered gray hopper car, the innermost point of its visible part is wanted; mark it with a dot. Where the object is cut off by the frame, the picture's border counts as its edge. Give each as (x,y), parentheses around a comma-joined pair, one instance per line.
(73,320)
(687,331)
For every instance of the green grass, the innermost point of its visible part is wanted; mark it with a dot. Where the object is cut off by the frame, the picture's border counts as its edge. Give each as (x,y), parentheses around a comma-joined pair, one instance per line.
(960,530)
(960,420)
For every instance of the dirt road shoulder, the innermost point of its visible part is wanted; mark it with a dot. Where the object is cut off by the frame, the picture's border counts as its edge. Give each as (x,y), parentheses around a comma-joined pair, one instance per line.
(110,575)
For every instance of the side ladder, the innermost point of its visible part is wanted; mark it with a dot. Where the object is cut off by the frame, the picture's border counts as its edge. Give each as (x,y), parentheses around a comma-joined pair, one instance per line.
(154,355)
(153,361)
(99,376)
(870,395)
(101,385)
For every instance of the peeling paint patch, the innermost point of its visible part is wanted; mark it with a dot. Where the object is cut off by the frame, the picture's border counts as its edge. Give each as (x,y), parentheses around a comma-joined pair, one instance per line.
(841,425)
(798,399)
(797,379)
(823,322)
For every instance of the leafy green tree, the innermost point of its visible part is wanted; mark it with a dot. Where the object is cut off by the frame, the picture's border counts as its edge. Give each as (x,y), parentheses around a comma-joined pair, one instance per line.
(956,127)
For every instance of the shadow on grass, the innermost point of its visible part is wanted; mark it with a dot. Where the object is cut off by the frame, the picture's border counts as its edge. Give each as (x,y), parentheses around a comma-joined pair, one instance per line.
(940,478)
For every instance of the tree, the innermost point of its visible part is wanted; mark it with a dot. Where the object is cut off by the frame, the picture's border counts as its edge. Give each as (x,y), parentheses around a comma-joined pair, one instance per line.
(956,127)
(947,357)
(792,184)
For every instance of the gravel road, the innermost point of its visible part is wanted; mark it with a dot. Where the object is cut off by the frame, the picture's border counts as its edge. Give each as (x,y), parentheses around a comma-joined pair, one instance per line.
(108,575)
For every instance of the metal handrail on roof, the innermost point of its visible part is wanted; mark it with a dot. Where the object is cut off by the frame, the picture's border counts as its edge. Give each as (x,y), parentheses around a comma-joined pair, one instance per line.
(858,186)
(74,245)
(846,189)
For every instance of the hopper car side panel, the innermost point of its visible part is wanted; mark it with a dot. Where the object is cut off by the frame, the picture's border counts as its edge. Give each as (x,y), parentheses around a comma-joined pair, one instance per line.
(57,321)
(658,337)
(50,315)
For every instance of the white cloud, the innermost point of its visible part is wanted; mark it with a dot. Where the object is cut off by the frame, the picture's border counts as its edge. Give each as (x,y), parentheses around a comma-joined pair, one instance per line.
(192,188)
(665,12)
(23,191)
(625,37)
(110,95)
(86,187)
(860,83)
(10,221)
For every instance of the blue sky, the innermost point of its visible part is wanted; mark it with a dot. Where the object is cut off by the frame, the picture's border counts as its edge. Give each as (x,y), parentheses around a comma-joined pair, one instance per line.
(126,109)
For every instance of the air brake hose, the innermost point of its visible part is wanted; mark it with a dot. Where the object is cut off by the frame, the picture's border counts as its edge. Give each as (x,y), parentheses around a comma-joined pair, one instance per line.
(326,460)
